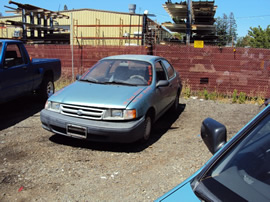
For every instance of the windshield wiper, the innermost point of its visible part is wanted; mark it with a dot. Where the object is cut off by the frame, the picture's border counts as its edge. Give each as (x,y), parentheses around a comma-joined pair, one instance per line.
(120,83)
(89,80)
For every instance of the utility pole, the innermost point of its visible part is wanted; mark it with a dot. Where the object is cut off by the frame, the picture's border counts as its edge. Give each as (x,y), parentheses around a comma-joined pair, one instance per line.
(189,21)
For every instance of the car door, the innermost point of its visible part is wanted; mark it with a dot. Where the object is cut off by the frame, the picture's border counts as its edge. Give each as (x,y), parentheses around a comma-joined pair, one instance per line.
(162,93)
(15,78)
(173,82)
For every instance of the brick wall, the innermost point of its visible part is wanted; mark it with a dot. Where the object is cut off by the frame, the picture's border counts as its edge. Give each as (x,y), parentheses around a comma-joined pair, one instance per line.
(211,68)
(222,69)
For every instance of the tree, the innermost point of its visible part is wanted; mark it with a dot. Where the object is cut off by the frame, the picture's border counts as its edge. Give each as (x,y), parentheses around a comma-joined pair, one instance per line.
(1,14)
(65,8)
(226,28)
(243,41)
(222,28)
(232,28)
(259,38)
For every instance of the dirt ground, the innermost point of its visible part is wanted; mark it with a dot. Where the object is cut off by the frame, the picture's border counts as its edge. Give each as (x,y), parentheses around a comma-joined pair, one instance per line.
(36,165)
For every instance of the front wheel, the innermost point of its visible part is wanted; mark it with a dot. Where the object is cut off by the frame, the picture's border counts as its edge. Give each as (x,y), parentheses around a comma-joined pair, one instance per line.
(46,88)
(147,128)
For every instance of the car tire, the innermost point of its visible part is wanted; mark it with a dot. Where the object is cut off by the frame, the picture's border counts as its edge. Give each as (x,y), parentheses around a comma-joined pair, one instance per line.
(175,105)
(47,88)
(147,128)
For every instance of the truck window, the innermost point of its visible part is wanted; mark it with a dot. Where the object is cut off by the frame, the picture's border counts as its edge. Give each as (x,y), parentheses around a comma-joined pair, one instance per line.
(13,56)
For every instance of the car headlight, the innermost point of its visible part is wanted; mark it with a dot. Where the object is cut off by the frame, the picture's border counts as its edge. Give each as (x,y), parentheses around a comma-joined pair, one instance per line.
(119,114)
(52,106)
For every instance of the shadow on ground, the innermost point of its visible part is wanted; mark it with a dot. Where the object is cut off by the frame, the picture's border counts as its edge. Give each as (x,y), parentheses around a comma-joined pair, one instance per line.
(160,128)
(18,110)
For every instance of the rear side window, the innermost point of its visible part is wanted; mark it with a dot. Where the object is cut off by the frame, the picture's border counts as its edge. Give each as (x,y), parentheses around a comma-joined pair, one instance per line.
(169,69)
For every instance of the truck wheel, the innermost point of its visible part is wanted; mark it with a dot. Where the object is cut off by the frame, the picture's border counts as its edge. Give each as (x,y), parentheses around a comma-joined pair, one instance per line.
(46,88)
(147,128)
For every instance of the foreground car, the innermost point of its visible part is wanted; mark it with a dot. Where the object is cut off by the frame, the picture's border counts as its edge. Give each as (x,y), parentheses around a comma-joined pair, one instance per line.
(117,100)
(239,170)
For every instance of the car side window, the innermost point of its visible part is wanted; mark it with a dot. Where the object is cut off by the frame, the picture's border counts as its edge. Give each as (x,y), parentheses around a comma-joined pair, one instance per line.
(13,56)
(169,69)
(160,73)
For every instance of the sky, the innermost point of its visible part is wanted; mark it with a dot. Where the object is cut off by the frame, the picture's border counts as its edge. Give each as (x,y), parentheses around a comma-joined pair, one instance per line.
(248,13)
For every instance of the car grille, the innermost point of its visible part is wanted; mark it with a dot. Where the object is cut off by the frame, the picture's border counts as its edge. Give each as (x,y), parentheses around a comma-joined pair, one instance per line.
(82,111)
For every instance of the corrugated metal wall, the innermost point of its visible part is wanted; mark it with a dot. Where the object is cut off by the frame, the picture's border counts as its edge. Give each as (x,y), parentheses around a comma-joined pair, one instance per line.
(92,27)
(8,31)
(107,26)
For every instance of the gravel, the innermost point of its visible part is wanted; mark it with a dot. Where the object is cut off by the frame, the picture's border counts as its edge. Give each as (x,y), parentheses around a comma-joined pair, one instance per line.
(37,165)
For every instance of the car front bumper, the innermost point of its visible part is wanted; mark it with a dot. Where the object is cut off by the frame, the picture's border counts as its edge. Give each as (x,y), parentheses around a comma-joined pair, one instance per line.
(100,131)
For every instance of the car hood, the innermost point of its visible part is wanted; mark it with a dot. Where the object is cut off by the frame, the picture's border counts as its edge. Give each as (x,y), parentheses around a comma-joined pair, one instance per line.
(182,192)
(97,95)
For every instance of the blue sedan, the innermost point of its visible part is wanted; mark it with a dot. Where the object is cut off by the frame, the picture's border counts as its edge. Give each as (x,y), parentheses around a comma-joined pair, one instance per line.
(117,100)
(239,169)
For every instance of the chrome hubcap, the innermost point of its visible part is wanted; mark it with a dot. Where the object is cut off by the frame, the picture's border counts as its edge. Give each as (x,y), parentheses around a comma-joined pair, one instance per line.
(50,89)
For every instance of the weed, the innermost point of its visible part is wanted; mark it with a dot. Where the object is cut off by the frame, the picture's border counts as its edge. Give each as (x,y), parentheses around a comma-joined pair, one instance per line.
(260,100)
(242,98)
(213,95)
(62,82)
(206,95)
(234,96)
(186,90)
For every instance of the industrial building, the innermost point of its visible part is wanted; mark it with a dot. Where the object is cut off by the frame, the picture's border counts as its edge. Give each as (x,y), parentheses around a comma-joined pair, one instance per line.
(81,27)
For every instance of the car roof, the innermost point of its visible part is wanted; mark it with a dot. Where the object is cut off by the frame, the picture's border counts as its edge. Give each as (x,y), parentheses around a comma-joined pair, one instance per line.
(148,58)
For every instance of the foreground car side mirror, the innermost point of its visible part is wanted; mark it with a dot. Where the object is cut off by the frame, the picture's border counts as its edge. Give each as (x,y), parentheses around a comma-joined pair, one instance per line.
(163,83)
(214,134)
(78,77)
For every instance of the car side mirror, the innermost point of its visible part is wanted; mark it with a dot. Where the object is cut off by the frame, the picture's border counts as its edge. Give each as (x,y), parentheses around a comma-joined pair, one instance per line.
(78,77)
(214,134)
(162,83)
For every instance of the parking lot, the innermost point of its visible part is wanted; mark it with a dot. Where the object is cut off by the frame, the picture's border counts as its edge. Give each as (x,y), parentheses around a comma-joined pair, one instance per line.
(40,166)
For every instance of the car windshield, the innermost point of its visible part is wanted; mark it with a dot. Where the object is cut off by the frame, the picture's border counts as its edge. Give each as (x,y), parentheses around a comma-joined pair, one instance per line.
(243,174)
(124,72)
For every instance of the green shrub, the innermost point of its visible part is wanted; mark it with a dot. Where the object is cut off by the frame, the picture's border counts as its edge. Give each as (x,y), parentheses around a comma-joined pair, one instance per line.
(234,96)
(242,98)
(206,95)
(213,95)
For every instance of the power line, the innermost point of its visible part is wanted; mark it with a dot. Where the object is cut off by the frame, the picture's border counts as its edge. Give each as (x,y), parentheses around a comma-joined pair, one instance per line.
(248,17)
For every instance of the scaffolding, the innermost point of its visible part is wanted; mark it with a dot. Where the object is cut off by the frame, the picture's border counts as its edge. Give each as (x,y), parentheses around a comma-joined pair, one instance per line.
(45,29)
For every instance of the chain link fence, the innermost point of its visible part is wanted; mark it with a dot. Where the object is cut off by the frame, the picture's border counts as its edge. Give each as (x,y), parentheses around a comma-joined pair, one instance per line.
(219,69)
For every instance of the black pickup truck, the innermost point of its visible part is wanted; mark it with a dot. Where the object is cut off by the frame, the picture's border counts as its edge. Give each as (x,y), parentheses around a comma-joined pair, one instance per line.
(21,75)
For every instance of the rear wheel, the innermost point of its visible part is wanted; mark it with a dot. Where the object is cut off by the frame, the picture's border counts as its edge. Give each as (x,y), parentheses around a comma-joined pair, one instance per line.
(175,105)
